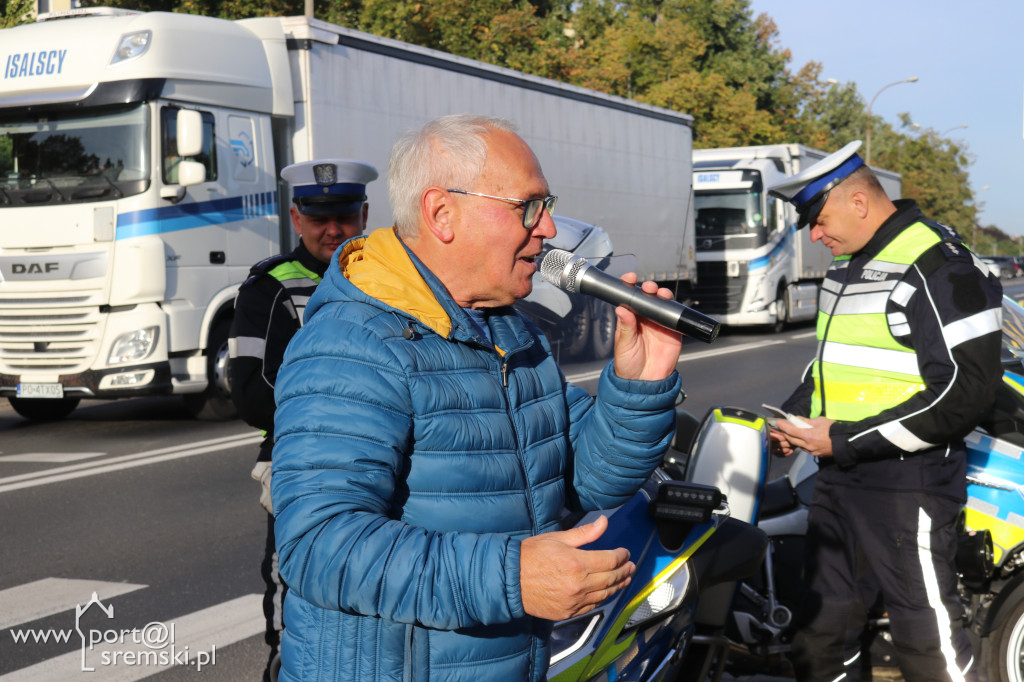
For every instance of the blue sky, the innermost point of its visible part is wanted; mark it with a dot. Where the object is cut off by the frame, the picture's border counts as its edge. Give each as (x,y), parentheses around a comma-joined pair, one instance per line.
(968,56)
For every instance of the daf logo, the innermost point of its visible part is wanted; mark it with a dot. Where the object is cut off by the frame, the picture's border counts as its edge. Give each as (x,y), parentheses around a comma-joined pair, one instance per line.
(706,244)
(33,268)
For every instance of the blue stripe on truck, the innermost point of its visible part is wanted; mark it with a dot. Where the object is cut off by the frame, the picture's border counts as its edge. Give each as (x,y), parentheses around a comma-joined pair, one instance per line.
(196,214)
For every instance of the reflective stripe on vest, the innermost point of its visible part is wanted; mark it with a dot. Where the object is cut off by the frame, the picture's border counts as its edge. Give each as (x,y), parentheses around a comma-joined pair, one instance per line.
(299,281)
(861,369)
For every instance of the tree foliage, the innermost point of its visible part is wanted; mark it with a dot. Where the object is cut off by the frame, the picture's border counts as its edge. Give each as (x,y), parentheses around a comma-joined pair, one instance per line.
(14,12)
(711,59)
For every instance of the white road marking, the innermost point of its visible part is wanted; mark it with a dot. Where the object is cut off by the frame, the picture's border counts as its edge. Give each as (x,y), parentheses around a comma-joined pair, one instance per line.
(700,355)
(122,462)
(195,634)
(50,457)
(35,600)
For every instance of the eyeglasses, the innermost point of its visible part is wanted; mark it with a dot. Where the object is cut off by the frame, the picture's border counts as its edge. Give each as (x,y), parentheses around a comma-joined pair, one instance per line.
(531,207)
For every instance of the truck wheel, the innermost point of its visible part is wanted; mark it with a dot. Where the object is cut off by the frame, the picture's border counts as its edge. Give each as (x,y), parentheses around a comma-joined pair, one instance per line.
(44,409)
(214,404)
(781,310)
(603,322)
(1002,652)
(577,335)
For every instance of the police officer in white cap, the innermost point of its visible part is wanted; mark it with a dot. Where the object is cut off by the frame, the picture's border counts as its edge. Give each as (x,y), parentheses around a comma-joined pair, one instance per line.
(329,197)
(907,363)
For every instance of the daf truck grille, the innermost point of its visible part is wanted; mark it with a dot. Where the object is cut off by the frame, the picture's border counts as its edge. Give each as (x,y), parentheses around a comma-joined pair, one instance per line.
(716,293)
(53,334)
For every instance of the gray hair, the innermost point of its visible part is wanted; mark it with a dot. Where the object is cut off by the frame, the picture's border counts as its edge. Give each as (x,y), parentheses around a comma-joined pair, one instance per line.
(447,152)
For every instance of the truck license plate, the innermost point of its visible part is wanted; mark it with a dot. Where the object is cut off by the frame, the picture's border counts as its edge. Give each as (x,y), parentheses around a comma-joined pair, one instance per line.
(40,390)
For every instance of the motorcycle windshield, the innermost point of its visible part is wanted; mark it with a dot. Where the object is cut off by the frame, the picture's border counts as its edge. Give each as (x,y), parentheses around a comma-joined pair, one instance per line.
(1013,334)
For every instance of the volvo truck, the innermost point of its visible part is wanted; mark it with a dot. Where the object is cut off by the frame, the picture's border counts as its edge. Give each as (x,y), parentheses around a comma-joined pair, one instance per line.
(139,180)
(754,267)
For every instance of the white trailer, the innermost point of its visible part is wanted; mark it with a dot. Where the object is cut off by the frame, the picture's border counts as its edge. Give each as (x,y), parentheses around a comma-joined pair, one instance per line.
(754,267)
(139,161)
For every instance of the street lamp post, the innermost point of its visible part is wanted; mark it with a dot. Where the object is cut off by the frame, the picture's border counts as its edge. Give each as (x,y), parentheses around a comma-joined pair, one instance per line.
(867,144)
(962,125)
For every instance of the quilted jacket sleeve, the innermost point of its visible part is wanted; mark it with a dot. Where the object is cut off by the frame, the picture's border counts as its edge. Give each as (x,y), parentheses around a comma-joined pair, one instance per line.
(342,429)
(618,438)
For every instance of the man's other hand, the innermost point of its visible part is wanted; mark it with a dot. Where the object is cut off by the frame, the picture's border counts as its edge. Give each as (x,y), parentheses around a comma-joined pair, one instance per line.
(558,580)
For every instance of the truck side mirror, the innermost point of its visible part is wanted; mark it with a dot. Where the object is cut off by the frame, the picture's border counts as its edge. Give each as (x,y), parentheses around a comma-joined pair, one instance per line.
(189,133)
(191,173)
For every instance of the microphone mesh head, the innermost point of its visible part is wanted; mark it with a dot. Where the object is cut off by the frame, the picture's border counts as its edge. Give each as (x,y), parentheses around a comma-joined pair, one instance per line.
(553,264)
(561,269)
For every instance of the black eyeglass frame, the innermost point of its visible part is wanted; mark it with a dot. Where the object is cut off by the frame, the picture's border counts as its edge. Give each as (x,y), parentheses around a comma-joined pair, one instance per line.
(531,207)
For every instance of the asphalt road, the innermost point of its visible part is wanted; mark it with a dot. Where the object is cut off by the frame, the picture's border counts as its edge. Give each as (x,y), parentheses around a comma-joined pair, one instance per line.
(156,514)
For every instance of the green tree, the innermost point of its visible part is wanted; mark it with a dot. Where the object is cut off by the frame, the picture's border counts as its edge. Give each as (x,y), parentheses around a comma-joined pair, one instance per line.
(14,12)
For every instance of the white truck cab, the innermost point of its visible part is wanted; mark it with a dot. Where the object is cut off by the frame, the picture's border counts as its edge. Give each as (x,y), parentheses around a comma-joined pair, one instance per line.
(132,203)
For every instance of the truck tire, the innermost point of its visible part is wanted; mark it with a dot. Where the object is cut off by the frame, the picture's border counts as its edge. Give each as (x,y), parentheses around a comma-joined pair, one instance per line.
(44,409)
(576,342)
(214,403)
(781,310)
(603,321)
(1002,651)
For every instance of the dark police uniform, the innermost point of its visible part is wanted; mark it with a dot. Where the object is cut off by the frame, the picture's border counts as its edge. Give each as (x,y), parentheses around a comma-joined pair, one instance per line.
(268,312)
(907,364)
(269,309)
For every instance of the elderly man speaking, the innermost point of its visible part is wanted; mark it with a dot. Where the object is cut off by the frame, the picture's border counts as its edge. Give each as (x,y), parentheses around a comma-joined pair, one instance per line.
(427,440)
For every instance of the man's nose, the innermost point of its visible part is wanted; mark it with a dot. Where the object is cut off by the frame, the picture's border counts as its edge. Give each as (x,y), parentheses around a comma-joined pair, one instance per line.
(816,234)
(545,227)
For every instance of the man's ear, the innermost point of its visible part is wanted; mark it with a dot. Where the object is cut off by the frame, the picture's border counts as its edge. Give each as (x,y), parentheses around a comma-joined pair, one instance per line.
(296,225)
(860,203)
(438,211)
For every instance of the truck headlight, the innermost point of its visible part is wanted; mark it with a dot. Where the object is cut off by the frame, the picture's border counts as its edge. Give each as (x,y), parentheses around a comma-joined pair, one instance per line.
(133,346)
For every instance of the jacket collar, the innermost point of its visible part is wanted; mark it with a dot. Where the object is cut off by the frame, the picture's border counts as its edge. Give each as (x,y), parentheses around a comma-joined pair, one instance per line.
(381,267)
(302,254)
(907,213)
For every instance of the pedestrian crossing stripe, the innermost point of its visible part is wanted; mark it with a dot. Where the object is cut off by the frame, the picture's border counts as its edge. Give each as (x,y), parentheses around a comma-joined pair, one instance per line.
(194,638)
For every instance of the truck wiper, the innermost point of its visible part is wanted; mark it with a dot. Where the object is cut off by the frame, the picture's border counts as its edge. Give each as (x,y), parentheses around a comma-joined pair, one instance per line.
(117,192)
(92,192)
(51,184)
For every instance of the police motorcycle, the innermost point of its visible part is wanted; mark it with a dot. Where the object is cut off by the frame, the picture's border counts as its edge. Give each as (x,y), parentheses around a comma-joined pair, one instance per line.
(683,542)
(747,627)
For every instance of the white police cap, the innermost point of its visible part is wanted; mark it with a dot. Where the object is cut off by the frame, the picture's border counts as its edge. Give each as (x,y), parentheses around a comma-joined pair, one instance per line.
(808,190)
(329,186)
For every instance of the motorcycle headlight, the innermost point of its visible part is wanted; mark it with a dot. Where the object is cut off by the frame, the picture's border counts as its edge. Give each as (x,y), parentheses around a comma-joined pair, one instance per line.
(664,597)
(570,636)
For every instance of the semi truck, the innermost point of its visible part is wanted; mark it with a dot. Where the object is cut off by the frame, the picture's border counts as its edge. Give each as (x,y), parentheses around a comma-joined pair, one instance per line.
(754,267)
(139,180)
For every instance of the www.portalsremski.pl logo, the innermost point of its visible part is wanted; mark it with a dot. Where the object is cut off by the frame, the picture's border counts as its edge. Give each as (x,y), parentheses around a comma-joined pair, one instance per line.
(152,645)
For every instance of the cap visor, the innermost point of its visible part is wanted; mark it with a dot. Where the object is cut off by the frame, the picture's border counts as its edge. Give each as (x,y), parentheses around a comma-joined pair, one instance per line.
(330,208)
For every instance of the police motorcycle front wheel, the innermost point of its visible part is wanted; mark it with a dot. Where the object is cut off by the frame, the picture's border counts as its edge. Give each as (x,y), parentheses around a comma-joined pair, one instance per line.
(1002,651)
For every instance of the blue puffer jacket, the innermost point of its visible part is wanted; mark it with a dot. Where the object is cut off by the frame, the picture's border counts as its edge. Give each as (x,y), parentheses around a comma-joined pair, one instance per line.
(409,466)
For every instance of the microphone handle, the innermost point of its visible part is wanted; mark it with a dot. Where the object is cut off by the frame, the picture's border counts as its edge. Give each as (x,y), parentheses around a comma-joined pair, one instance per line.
(666,312)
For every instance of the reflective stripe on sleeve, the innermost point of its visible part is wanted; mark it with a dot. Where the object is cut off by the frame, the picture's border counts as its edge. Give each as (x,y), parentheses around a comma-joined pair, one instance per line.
(247,347)
(985,322)
(898,435)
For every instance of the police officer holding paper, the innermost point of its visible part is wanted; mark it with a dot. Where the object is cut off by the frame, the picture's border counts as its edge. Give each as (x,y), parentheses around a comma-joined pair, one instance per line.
(907,363)
(329,197)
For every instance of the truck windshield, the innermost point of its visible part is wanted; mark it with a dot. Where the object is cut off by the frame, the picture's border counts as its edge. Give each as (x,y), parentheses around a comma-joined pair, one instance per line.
(73,157)
(724,213)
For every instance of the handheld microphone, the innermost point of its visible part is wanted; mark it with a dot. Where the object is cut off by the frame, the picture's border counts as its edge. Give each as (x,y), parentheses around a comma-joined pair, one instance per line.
(575,275)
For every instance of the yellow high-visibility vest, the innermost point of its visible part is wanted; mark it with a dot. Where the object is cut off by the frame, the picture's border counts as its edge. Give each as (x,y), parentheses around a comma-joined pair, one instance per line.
(861,369)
